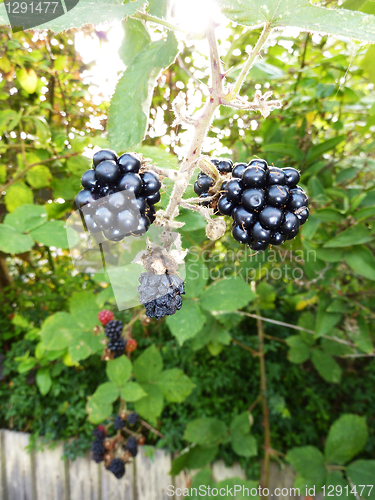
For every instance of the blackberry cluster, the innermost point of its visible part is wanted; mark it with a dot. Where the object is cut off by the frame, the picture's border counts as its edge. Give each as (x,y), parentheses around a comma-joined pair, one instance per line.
(130,194)
(132,446)
(204,182)
(118,423)
(266,204)
(117,467)
(97,447)
(160,294)
(113,331)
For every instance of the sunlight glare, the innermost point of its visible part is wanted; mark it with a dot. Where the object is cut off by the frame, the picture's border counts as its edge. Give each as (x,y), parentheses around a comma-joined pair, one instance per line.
(194,15)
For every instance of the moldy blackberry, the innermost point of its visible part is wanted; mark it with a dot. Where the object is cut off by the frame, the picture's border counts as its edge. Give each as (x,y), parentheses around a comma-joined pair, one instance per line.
(160,294)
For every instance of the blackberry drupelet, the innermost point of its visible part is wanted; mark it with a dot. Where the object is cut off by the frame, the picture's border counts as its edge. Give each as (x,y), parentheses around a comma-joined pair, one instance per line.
(266,205)
(160,294)
(117,467)
(118,180)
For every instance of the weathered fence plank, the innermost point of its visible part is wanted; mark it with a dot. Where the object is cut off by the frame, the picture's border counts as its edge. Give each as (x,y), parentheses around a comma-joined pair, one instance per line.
(18,473)
(152,478)
(117,489)
(2,467)
(84,479)
(51,481)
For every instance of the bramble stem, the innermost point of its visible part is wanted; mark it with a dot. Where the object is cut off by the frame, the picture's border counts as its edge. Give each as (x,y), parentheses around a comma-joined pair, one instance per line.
(156,20)
(250,61)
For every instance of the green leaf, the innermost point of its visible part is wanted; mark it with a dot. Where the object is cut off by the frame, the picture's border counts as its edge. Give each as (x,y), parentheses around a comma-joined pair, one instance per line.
(308,461)
(119,370)
(284,150)
(362,261)
(329,215)
(335,348)
(196,458)
(362,472)
(346,438)
(27,79)
(58,331)
(175,385)
(66,189)
(39,176)
(205,431)
(11,241)
(148,366)
(325,320)
(26,218)
(299,351)
(335,478)
(241,423)
(159,156)
(16,195)
(227,295)
(51,234)
(213,333)
(136,38)
(354,235)
(97,410)
(158,8)
(129,109)
(196,276)
(318,150)
(132,392)
(43,380)
(93,12)
(244,446)
(84,345)
(326,366)
(361,337)
(187,322)
(301,14)
(84,309)
(107,393)
(151,406)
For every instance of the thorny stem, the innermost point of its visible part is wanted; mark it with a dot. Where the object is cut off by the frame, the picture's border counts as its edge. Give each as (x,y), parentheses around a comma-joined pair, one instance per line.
(250,61)
(152,429)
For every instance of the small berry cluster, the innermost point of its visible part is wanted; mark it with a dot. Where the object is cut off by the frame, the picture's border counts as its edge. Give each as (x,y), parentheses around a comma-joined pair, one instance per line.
(129,193)
(113,330)
(204,184)
(160,294)
(105,448)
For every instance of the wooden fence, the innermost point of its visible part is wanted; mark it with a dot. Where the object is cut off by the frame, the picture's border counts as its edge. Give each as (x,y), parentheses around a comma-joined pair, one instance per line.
(43,475)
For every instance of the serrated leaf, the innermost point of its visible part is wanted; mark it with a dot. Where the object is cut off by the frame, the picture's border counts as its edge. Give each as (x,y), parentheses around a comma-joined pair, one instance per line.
(26,218)
(213,333)
(175,385)
(362,261)
(362,472)
(227,295)
(136,38)
(11,241)
(301,14)
(346,438)
(39,176)
(299,351)
(107,393)
(58,331)
(130,104)
(18,194)
(132,392)
(205,431)
(43,380)
(354,235)
(151,406)
(84,345)
(241,423)
(52,234)
(244,446)
(325,320)
(148,366)
(308,461)
(187,322)
(98,411)
(119,370)
(84,309)
(326,366)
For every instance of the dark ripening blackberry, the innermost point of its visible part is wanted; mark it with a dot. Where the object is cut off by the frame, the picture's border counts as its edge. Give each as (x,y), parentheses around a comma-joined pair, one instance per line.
(113,329)
(118,180)
(204,182)
(118,423)
(117,346)
(99,433)
(132,419)
(117,467)
(160,294)
(132,446)
(98,450)
(266,204)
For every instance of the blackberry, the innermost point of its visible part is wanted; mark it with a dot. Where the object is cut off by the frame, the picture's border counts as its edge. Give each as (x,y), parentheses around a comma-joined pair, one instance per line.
(132,418)
(132,446)
(98,450)
(160,294)
(117,467)
(266,204)
(130,190)
(117,346)
(204,182)
(118,423)
(113,329)
(99,432)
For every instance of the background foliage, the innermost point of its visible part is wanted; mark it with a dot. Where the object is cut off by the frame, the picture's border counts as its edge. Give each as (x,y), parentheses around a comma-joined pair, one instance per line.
(320,376)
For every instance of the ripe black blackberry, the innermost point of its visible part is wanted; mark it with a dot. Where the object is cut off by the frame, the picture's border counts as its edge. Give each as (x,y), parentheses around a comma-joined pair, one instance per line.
(204,183)
(117,347)
(113,329)
(118,423)
(98,450)
(130,193)
(99,432)
(117,467)
(265,203)
(160,294)
(132,419)
(132,446)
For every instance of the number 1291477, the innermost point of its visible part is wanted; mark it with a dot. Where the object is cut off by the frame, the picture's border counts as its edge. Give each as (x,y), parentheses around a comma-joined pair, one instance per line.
(31,7)
(361,490)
